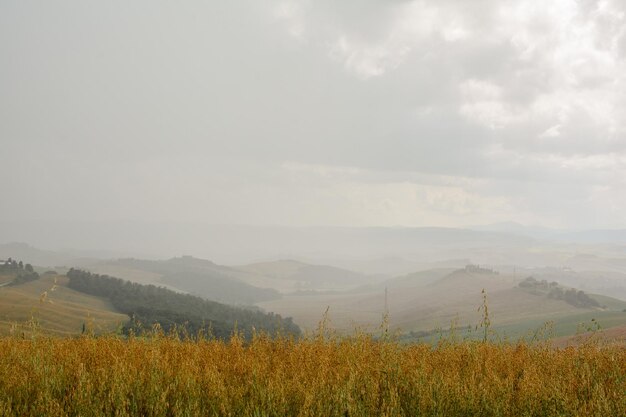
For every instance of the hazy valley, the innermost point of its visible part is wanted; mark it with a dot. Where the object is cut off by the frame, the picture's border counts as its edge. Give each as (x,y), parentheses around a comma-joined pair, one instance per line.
(423,292)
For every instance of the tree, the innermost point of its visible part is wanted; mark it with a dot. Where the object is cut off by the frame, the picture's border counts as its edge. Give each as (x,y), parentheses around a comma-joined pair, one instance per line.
(150,305)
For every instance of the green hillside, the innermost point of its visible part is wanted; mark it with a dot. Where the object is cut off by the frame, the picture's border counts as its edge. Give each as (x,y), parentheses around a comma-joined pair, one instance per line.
(148,305)
(81,301)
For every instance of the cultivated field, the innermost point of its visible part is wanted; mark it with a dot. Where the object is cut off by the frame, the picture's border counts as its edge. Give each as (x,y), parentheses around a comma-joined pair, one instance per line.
(436,299)
(55,309)
(161,376)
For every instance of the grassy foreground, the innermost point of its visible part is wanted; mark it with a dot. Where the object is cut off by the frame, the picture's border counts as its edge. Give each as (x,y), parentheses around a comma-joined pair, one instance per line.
(161,376)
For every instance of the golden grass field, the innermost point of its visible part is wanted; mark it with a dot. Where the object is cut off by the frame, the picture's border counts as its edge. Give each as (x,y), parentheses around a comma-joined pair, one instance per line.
(101,374)
(57,309)
(5,279)
(357,376)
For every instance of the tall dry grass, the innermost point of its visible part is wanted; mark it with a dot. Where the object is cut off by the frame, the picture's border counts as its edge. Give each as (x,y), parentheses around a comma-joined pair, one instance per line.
(316,376)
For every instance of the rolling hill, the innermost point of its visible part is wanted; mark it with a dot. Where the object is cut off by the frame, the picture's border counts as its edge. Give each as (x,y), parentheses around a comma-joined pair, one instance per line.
(55,308)
(291,275)
(428,300)
(247,285)
(148,305)
(190,275)
(606,281)
(69,305)
(18,250)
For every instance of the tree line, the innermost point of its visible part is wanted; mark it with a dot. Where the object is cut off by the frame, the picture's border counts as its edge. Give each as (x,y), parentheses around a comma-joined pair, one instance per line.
(23,272)
(574,297)
(147,305)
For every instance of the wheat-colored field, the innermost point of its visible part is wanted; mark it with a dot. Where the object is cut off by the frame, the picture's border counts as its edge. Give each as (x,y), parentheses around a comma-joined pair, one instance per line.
(57,309)
(316,376)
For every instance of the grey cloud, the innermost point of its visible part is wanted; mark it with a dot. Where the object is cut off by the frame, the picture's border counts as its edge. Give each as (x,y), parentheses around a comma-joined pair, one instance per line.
(162,110)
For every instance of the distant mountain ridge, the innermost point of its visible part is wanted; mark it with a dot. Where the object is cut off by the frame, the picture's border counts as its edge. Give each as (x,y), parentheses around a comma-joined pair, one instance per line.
(237,245)
(545,233)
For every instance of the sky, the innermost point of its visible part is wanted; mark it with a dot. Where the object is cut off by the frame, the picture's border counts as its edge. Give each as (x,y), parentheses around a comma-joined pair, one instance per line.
(300,113)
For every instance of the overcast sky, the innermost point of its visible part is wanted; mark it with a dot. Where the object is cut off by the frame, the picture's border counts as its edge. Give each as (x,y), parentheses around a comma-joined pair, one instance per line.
(359,113)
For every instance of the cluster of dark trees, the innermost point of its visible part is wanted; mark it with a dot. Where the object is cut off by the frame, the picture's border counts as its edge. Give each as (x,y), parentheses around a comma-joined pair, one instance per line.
(148,305)
(23,272)
(538,286)
(477,269)
(574,297)
(571,296)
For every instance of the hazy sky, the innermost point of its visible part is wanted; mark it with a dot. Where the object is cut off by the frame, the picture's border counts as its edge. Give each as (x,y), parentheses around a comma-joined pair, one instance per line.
(348,112)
